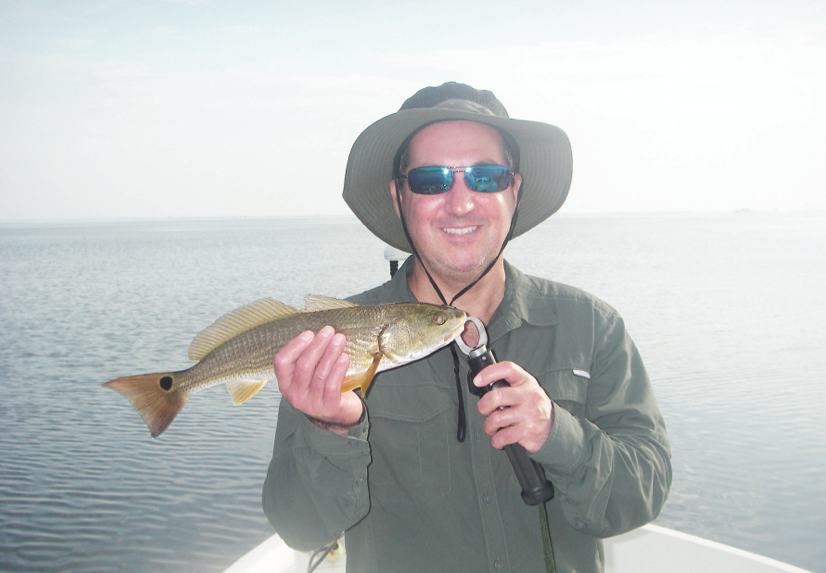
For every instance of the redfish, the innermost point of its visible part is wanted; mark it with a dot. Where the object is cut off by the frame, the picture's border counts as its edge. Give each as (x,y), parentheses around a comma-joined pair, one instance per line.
(239,348)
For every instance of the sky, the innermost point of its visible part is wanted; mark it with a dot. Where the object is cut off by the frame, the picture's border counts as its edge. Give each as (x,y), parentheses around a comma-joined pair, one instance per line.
(175,109)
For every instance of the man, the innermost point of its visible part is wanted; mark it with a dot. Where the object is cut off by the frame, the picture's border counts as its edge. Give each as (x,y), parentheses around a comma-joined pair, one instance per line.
(395,470)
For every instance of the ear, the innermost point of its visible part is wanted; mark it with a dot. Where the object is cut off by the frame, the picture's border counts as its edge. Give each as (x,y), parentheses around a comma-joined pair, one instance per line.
(393,198)
(517,183)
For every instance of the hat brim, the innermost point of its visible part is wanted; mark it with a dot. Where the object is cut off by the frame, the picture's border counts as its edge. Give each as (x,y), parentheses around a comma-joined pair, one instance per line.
(545,163)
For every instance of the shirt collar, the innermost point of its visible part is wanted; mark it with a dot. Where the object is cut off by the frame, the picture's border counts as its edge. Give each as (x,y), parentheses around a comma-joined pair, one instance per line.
(522,302)
(398,290)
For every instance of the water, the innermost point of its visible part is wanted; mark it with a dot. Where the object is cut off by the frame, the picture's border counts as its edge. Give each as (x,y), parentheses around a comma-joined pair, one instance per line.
(726,309)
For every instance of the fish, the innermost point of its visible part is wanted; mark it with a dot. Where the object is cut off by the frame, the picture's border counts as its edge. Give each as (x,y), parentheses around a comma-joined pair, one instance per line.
(238,349)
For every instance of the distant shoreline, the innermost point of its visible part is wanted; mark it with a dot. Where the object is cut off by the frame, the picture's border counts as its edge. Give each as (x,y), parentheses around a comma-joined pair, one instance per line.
(351,217)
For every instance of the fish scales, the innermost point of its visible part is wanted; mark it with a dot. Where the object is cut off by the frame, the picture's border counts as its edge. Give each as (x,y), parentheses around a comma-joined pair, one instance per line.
(377,338)
(251,353)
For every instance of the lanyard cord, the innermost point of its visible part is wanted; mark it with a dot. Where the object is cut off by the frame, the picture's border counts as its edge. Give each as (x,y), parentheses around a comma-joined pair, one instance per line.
(462,425)
(547,546)
(473,283)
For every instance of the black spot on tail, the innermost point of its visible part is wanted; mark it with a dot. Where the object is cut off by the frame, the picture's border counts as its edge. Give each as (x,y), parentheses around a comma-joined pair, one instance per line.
(166,382)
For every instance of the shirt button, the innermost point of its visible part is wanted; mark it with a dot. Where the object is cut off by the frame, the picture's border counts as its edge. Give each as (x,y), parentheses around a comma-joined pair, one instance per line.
(486,498)
(498,564)
(579,525)
(562,497)
(477,435)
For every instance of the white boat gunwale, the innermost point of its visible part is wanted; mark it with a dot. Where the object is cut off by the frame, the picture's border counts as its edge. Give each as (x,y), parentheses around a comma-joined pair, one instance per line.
(649,549)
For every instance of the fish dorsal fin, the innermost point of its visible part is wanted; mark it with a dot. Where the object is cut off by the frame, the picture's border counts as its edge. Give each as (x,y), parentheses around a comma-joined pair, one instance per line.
(234,323)
(315,302)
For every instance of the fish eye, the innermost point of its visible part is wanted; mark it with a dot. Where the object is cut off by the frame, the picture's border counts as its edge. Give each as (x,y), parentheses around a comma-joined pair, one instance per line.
(439,319)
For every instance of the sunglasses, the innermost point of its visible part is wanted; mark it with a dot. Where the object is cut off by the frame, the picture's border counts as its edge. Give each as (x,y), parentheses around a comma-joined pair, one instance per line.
(481,178)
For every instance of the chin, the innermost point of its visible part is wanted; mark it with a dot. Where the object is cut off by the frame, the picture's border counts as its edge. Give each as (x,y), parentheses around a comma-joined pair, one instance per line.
(464,266)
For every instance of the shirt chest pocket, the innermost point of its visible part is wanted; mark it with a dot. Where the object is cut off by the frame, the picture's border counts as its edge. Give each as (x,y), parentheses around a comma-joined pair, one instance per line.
(568,388)
(409,433)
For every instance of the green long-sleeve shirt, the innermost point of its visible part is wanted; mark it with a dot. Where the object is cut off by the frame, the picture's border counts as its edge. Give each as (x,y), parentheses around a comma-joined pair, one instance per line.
(411,497)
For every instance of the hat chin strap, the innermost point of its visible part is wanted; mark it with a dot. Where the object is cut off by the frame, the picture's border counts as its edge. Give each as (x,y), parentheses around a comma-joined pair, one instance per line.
(421,262)
(462,425)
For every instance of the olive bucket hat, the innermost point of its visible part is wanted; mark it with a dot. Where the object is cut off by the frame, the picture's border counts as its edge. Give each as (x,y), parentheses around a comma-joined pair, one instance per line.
(541,152)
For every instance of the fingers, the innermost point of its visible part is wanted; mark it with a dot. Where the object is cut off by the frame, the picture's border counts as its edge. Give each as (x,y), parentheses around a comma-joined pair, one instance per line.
(315,364)
(287,357)
(296,363)
(511,373)
(504,397)
(519,413)
(310,370)
(519,425)
(338,370)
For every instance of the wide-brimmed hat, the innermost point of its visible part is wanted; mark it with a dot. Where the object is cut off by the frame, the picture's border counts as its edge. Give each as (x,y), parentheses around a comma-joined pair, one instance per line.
(542,156)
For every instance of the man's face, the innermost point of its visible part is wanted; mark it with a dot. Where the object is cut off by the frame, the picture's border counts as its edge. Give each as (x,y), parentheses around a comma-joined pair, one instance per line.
(459,232)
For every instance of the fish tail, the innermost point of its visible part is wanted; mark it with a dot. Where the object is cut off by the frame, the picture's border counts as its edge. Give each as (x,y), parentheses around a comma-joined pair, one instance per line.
(154,396)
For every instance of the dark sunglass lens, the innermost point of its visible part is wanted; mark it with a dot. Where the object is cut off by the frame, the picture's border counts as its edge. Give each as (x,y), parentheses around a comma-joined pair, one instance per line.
(488,178)
(429,180)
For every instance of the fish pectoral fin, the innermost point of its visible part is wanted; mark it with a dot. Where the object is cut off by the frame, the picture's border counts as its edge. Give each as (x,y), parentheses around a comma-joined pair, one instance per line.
(364,379)
(243,389)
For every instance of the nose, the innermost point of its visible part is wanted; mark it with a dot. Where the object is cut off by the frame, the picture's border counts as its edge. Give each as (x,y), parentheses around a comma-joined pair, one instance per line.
(459,200)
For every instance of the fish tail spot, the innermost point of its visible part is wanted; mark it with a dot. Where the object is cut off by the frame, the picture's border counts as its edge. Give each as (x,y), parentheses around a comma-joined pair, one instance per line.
(152,396)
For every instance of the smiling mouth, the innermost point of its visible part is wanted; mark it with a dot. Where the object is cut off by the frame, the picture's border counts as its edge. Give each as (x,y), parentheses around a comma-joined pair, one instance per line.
(461,231)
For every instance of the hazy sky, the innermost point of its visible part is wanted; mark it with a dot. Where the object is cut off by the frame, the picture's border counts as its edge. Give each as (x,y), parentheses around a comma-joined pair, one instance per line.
(149,108)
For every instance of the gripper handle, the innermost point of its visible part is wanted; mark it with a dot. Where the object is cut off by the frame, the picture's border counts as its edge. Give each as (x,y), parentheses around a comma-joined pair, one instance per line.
(535,486)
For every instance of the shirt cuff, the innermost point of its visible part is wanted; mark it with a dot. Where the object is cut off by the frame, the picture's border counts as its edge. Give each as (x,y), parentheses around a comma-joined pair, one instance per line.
(329,443)
(564,449)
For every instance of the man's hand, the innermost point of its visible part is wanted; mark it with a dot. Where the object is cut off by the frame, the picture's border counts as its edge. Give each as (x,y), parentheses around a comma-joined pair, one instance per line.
(522,413)
(310,370)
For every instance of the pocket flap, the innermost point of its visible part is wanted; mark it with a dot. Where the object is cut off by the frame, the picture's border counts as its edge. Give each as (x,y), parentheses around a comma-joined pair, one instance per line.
(569,384)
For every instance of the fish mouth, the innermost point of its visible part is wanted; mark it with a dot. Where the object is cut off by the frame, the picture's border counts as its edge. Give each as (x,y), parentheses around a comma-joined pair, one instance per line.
(459,230)
(457,331)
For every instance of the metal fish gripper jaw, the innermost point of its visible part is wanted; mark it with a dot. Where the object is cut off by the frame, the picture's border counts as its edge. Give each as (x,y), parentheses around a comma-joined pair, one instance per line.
(483,338)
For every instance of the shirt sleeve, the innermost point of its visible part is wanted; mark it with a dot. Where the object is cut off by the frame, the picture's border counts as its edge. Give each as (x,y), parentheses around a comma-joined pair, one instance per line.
(316,486)
(611,465)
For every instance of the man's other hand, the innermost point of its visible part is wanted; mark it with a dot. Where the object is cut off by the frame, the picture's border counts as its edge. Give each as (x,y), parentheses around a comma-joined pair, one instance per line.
(520,413)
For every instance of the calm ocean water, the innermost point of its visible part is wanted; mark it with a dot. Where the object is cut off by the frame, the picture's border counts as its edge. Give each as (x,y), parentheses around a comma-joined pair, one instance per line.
(727,310)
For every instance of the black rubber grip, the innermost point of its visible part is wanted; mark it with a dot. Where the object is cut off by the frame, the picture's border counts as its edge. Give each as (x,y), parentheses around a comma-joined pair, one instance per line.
(536,488)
